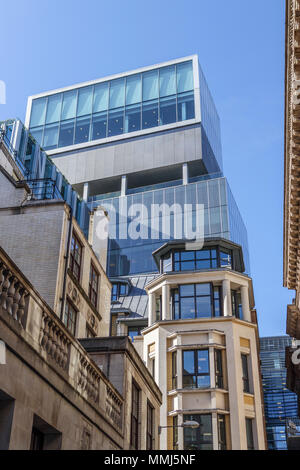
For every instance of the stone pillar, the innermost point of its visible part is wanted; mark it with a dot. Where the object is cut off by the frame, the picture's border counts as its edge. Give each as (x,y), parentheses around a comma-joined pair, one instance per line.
(215,431)
(85,192)
(124,185)
(185,173)
(245,303)
(151,309)
(227,306)
(166,302)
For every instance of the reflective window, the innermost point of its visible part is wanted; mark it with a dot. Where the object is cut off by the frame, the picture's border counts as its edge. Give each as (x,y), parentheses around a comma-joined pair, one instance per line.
(82,129)
(237,308)
(66,133)
(153,98)
(249,433)
(50,136)
(200,438)
(69,105)
(209,258)
(134,331)
(245,377)
(54,108)
(195,301)
(85,98)
(38,112)
(196,372)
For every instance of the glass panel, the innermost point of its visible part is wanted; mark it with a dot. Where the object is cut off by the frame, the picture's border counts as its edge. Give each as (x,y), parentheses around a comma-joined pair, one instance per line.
(185,81)
(117,93)
(38,112)
(99,125)
(115,122)
(85,97)
(150,115)
(203,381)
(82,130)
(187,255)
(50,137)
(54,108)
(69,105)
(187,265)
(66,133)
(100,97)
(133,118)
(200,438)
(133,89)
(187,290)
(37,133)
(202,289)
(150,85)
(186,106)
(167,81)
(203,264)
(187,307)
(167,110)
(203,362)
(225,259)
(203,307)
(203,254)
(188,362)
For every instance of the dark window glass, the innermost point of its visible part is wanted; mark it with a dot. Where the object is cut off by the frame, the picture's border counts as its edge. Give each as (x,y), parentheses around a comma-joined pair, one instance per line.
(66,133)
(246,386)
(93,286)
(217,302)
(150,426)
(119,289)
(167,110)
(219,368)
(158,308)
(237,309)
(174,370)
(249,432)
(75,257)
(196,260)
(196,372)
(99,126)
(135,408)
(115,122)
(175,433)
(200,438)
(150,114)
(186,106)
(196,301)
(37,440)
(82,129)
(222,432)
(70,317)
(133,118)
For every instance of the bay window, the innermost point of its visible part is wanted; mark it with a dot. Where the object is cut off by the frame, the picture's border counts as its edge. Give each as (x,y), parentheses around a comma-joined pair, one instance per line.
(196,371)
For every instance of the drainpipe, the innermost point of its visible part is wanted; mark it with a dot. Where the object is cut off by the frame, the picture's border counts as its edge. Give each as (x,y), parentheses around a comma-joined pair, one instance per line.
(63,300)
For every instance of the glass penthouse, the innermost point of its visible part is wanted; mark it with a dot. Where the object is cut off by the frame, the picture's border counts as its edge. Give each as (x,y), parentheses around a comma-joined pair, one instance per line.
(149,136)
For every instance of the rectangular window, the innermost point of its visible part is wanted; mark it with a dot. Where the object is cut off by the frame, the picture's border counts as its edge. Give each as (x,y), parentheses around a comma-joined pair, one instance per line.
(222,432)
(249,433)
(70,317)
(174,370)
(237,309)
(246,386)
(158,305)
(196,371)
(135,408)
(150,426)
(134,331)
(75,257)
(93,286)
(219,368)
(196,301)
(200,438)
(175,433)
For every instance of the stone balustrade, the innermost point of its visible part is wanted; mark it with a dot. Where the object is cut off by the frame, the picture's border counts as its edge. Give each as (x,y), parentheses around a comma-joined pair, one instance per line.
(21,306)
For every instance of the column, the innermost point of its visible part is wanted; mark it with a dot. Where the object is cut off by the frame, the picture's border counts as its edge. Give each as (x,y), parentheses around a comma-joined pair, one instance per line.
(166,302)
(185,173)
(124,185)
(215,431)
(227,306)
(245,303)
(151,311)
(85,192)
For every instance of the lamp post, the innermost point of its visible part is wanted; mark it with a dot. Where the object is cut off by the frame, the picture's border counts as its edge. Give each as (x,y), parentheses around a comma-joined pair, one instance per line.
(185,424)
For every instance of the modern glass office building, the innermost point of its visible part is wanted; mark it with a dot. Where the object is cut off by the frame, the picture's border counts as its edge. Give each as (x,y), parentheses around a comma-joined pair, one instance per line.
(280,403)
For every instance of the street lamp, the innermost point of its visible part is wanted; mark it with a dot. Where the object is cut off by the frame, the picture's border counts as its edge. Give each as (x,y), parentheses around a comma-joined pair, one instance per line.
(185,424)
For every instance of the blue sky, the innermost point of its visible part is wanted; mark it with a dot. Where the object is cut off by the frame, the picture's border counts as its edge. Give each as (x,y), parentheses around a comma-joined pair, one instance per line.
(55,43)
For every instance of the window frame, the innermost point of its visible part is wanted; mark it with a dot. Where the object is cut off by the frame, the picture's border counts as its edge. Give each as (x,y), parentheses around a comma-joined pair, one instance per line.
(222,444)
(219,375)
(196,374)
(116,285)
(169,260)
(174,370)
(73,262)
(70,304)
(250,437)
(135,416)
(213,301)
(245,372)
(150,434)
(237,307)
(94,292)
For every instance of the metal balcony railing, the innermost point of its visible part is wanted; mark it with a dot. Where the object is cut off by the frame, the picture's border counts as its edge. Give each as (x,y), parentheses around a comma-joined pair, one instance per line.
(44,189)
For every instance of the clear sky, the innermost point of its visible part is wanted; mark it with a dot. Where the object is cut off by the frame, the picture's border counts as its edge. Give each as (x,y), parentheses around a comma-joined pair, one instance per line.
(54,43)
